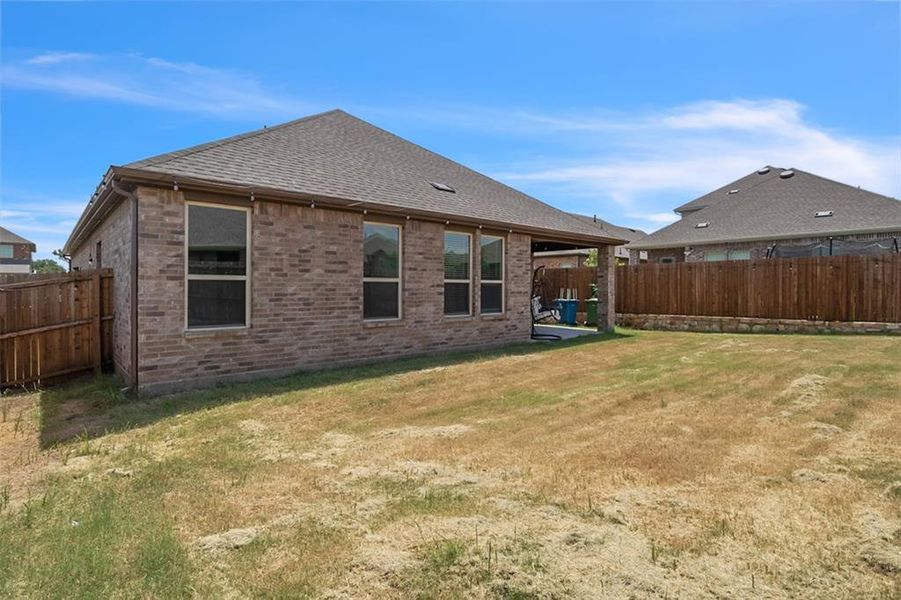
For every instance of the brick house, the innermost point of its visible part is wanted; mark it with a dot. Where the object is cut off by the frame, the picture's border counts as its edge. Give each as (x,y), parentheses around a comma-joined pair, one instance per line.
(320,242)
(15,252)
(572,259)
(775,212)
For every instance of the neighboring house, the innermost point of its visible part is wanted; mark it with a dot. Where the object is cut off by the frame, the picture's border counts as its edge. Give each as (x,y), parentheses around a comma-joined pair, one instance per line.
(777,212)
(319,242)
(15,252)
(571,259)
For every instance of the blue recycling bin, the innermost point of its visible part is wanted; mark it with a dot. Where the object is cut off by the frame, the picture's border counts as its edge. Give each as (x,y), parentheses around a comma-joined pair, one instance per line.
(567,311)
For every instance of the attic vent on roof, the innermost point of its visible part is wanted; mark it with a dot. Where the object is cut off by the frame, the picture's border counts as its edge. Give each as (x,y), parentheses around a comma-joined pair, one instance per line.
(786,174)
(443,187)
(734,191)
(823,213)
(702,225)
(763,171)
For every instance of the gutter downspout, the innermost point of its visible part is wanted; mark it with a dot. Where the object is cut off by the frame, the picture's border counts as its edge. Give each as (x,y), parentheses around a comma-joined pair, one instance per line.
(133,283)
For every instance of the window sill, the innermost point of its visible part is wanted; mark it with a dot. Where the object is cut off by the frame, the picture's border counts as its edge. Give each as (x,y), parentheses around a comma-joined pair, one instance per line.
(458,317)
(216,331)
(379,323)
(493,316)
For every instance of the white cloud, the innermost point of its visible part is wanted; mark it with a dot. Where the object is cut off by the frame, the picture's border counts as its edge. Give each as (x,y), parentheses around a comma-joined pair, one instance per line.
(152,82)
(44,219)
(642,165)
(53,58)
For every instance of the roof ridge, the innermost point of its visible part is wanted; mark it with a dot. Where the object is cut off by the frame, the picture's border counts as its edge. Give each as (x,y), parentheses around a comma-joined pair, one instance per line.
(166,156)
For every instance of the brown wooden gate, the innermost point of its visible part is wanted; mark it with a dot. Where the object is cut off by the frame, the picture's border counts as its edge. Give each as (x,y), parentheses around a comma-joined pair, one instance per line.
(52,326)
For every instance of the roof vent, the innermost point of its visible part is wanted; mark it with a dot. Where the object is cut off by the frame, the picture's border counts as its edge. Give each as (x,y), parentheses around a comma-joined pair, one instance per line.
(734,191)
(443,187)
(763,171)
(786,174)
(702,225)
(823,213)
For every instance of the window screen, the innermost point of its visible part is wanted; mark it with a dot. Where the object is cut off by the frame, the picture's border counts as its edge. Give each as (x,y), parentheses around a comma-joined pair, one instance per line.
(492,271)
(217,266)
(457,265)
(381,271)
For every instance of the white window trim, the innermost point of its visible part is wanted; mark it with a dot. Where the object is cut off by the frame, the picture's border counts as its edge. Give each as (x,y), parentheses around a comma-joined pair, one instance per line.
(245,277)
(397,280)
(468,281)
(502,280)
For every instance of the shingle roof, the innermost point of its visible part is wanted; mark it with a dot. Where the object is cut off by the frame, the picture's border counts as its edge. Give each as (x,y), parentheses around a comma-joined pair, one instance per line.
(767,206)
(626,233)
(8,237)
(336,155)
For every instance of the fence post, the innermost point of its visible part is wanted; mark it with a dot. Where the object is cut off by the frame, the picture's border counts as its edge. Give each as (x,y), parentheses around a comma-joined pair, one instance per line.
(96,304)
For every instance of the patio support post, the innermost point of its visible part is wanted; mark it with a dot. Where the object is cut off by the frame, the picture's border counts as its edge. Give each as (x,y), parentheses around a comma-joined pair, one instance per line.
(606,281)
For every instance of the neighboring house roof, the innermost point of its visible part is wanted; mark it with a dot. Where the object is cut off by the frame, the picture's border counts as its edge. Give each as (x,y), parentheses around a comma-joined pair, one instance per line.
(334,155)
(769,207)
(8,237)
(626,233)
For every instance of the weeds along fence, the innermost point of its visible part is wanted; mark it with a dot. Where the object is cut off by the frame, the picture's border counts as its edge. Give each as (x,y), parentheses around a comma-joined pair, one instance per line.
(54,325)
(825,288)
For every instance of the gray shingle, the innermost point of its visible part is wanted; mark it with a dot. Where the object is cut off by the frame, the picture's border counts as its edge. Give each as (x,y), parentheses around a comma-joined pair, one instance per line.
(337,155)
(768,207)
(8,237)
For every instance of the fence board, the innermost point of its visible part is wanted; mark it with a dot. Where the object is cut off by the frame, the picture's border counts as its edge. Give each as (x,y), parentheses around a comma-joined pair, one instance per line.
(824,288)
(54,325)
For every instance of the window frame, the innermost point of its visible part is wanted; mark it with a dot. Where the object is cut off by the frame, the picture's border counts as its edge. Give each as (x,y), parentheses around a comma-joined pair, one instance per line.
(745,254)
(12,250)
(396,280)
(667,260)
(468,313)
(716,256)
(502,280)
(247,270)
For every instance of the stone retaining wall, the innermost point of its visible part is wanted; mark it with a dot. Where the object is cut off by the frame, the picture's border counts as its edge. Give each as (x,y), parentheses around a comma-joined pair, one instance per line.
(750,324)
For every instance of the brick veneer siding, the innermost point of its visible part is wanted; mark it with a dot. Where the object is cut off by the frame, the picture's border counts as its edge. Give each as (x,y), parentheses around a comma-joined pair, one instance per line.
(306,299)
(19,262)
(757,249)
(114,233)
(568,261)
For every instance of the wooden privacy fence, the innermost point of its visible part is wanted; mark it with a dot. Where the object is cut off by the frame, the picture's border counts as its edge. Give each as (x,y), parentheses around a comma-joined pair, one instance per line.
(578,280)
(54,326)
(825,288)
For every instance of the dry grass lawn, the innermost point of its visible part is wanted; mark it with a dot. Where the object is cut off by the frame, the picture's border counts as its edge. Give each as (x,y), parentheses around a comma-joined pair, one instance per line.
(645,465)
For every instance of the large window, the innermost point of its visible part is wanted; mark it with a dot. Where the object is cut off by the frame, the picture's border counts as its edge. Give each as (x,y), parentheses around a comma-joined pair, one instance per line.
(457,273)
(217,267)
(381,271)
(492,289)
(715,256)
(6,251)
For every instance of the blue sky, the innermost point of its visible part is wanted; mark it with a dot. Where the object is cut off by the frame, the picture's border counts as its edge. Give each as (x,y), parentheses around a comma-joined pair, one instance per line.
(624,110)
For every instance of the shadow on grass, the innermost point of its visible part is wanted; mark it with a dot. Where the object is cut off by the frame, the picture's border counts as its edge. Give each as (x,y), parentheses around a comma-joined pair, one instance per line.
(95,406)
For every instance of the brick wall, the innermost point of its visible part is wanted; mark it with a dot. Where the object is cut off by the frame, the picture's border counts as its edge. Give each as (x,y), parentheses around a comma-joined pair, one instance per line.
(306,308)
(757,249)
(115,234)
(19,262)
(568,261)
